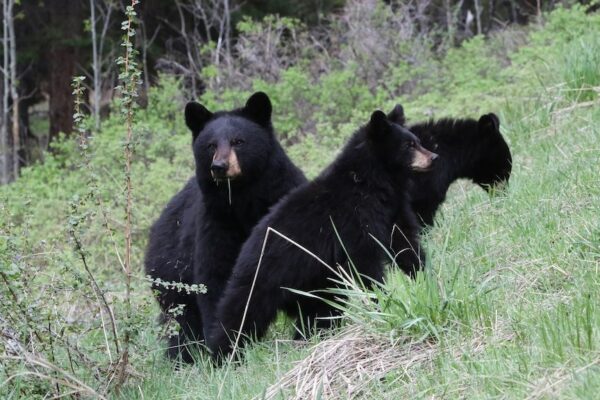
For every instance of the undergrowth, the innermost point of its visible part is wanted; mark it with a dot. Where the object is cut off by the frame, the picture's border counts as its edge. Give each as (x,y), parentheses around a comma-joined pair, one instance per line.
(508,305)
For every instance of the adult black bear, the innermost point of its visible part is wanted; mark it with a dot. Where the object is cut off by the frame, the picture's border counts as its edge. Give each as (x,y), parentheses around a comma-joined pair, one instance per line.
(340,217)
(468,148)
(241,171)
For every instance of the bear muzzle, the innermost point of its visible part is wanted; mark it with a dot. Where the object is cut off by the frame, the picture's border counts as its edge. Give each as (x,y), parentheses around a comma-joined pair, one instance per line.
(225,165)
(422,159)
(218,169)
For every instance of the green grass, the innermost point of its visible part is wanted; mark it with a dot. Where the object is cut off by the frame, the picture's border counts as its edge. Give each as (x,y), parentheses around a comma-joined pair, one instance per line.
(531,260)
(512,294)
(511,298)
(509,305)
(581,68)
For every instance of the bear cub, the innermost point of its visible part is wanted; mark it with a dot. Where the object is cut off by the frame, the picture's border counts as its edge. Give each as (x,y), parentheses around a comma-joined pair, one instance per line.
(340,217)
(468,148)
(241,171)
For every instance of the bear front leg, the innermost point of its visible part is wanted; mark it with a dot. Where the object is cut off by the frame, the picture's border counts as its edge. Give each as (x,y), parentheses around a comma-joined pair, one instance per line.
(190,333)
(231,311)
(207,302)
(213,262)
(181,307)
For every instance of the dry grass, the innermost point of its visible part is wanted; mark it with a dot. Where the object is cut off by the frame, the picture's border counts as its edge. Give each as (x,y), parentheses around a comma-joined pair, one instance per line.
(343,366)
(552,384)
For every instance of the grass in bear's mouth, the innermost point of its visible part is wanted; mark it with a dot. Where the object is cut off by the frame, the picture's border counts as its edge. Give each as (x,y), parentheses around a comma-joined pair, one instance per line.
(229,189)
(219,181)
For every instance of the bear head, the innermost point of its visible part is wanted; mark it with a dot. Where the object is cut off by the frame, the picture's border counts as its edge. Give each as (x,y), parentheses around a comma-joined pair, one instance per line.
(492,160)
(231,145)
(496,160)
(398,147)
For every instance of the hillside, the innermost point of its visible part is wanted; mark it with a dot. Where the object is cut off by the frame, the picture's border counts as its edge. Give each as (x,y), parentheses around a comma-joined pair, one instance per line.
(509,306)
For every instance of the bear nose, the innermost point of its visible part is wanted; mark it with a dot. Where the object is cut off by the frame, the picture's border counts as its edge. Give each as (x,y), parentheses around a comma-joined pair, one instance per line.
(219,166)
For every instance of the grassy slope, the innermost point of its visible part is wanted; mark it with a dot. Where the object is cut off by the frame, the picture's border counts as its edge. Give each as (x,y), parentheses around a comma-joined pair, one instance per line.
(510,302)
(521,273)
(516,311)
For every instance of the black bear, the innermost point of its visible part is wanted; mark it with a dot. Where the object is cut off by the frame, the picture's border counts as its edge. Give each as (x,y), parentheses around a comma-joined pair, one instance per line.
(241,171)
(340,217)
(468,148)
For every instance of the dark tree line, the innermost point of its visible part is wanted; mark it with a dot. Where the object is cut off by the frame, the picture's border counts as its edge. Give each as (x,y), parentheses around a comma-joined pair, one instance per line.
(56,40)
(46,43)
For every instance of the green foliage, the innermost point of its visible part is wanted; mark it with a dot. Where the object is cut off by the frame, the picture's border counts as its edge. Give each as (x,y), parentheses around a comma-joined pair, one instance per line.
(471,68)
(551,47)
(509,302)
(581,67)
(294,94)
(247,26)
(311,11)
(341,94)
(50,209)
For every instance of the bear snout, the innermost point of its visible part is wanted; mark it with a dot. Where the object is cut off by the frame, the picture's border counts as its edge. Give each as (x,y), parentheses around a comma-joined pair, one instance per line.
(423,159)
(225,165)
(218,168)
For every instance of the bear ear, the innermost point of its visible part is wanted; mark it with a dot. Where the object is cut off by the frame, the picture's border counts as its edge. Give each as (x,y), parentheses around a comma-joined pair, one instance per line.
(379,126)
(397,115)
(489,123)
(258,108)
(196,116)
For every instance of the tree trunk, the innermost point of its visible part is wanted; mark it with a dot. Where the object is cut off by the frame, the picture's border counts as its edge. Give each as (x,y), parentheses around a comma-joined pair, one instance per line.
(10,136)
(96,67)
(62,69)
(478,16)
(449,21)
(4,142)
(16,136)
(491,12)
(66,20)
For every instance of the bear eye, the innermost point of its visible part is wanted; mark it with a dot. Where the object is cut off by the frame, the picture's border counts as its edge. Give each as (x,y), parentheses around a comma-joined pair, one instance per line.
(411,144)
(236,142)
(211,146)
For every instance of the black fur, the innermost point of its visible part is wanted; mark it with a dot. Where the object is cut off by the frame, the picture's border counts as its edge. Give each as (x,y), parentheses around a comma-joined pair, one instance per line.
(468,148)
(359,195)
(198,236)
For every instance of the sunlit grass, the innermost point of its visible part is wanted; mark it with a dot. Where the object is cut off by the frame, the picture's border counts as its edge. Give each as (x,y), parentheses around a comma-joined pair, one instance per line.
(581,70)
(508,306)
